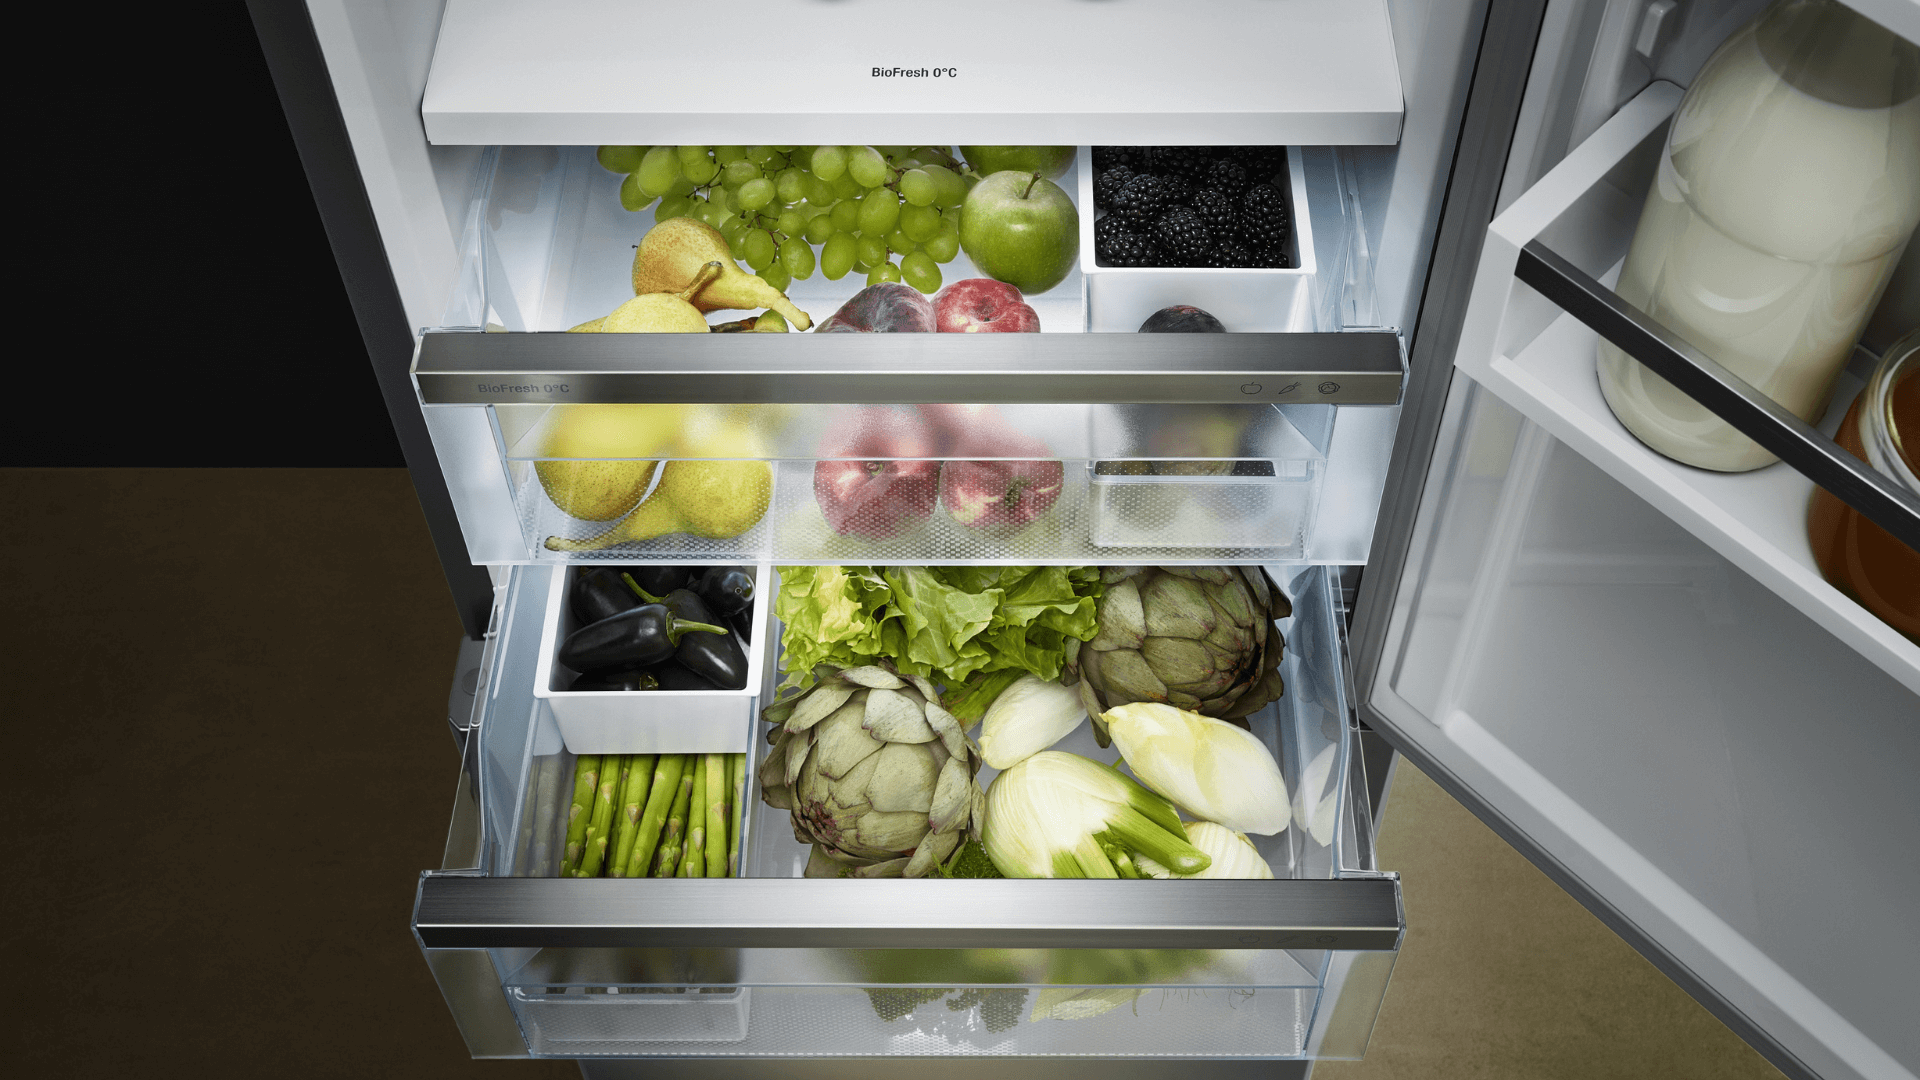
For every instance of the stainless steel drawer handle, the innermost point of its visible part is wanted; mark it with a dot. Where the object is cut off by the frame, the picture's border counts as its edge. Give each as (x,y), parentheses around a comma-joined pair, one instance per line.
(453,912)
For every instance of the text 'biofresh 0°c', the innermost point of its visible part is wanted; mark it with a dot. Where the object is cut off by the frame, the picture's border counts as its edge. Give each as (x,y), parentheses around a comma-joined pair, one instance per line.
(916,73)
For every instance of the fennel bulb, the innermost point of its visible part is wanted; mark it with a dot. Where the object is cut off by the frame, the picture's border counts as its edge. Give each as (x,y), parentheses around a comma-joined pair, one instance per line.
(1233,855)
(1059,815)
(1026,718)
(1209,768)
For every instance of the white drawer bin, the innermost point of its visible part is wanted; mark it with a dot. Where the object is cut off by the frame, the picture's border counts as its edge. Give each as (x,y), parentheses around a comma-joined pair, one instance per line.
(653,722)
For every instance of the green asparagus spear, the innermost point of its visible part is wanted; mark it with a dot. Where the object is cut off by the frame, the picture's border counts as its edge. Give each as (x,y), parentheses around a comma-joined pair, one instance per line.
(626,821)
(717,801)
(674,837)
(666,784)
(586,777)
(736,783)
(694,862)
(593,859)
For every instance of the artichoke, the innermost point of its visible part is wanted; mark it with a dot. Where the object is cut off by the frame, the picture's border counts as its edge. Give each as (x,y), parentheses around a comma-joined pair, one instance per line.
(1198,637)
(878,777)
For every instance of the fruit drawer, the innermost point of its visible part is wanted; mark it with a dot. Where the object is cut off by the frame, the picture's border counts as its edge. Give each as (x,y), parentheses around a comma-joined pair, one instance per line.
(668,720)
(1191,481)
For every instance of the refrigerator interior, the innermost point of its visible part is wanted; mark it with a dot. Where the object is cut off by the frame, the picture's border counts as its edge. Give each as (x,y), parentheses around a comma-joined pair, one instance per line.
(1684,773)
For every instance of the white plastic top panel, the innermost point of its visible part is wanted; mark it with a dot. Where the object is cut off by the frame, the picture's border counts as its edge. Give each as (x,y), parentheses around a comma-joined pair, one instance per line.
(1002,72)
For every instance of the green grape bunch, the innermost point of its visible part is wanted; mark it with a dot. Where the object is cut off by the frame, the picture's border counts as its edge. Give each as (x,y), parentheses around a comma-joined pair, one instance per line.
(789,211)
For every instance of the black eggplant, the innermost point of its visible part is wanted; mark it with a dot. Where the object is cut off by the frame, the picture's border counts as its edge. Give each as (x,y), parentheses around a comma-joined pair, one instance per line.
(728,590)
(660,580)
(599,593)
(718,658)
(647,679)
(639,637)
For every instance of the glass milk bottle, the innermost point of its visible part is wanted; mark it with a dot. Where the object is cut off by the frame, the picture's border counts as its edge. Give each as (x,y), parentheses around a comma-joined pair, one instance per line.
(1789,187)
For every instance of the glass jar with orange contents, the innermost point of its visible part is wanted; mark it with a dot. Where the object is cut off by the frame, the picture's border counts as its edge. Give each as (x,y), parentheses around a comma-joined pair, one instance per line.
(1882,428)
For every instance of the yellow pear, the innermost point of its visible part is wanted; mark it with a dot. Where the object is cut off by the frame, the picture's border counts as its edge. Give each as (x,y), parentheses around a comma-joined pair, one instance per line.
(602,490)
(663,312)
(715,499)
(591,326)
(672,254)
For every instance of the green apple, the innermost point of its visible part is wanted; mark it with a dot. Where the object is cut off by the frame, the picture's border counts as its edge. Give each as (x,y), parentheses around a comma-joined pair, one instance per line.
(1051,162)
(1022,229)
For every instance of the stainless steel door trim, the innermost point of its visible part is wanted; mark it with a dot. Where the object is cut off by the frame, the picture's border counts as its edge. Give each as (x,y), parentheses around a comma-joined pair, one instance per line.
(1354,368)
(1508,39)
(1732,398)
(472,912)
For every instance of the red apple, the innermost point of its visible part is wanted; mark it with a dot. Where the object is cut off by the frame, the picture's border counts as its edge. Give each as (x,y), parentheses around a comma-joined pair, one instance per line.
(955,426)
(1005,494)
(874,478)
(983,305)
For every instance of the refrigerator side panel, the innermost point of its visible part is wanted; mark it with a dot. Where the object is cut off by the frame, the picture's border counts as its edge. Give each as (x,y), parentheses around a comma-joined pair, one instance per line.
(328,116)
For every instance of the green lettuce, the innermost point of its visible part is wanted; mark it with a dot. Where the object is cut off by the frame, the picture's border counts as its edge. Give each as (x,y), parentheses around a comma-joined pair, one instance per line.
(972,629)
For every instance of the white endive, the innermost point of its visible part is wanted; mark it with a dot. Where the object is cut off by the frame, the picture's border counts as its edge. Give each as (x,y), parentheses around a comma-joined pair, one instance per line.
(1233,855)
(1026,718)
(1209,768)
(1059,815)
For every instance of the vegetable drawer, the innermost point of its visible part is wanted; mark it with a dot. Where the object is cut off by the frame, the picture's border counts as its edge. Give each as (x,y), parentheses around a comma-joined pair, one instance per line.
(774,967)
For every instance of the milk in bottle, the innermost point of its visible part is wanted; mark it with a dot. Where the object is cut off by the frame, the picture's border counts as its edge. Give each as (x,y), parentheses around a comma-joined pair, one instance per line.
(1789,187)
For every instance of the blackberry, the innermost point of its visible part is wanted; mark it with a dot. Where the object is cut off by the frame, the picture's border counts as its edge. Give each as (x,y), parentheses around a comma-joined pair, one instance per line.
(1140,198)
(1262,219)
(1216,210)
(1261,162)
(1226,175)
(1179,189)
(1228,253)
(1182,237)
(1181,160)
(1116,244)
(1109,182)
(1106,157)
(1273,256)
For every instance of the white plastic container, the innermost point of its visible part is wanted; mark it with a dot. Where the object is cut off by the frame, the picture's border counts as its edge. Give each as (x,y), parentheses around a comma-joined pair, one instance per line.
(1250,300)
(653,722)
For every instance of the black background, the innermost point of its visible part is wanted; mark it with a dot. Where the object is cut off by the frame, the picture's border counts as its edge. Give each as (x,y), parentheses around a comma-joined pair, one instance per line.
(192,313)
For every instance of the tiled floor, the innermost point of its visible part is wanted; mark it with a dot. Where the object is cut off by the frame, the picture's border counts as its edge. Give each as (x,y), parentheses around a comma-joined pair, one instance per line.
(226,764)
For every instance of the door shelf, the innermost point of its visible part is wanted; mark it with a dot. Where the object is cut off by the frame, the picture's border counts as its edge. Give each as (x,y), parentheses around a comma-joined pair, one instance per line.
(768,966)
(1003,72)
(1542,361)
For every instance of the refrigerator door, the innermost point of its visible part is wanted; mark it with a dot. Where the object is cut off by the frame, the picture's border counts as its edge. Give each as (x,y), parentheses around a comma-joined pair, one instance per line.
(1629,668)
